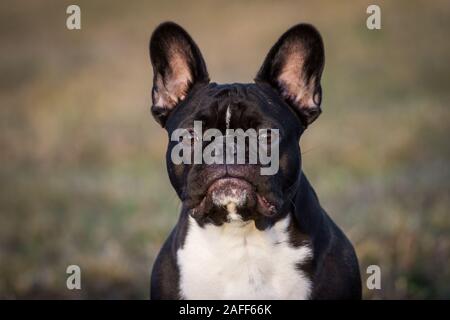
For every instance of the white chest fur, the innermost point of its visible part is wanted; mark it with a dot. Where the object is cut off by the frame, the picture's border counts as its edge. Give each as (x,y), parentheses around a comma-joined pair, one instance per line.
(237,261)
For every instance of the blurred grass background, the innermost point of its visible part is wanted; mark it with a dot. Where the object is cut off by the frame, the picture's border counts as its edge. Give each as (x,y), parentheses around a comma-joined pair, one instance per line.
(82,172)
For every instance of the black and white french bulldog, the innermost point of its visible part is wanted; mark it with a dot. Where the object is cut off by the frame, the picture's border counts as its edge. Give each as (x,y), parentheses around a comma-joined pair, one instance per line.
(241,234)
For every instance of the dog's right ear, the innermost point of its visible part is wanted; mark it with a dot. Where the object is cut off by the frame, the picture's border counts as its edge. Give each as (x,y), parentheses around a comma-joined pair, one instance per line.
(177,65)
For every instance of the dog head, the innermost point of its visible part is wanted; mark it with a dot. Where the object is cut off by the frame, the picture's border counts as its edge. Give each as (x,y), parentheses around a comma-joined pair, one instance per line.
(285,99)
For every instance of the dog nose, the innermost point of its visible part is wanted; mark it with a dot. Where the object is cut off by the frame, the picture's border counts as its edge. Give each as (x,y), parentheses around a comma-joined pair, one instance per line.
(231,193)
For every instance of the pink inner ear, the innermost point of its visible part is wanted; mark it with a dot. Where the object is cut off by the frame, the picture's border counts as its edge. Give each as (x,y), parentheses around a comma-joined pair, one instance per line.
(292,81)
(174,89)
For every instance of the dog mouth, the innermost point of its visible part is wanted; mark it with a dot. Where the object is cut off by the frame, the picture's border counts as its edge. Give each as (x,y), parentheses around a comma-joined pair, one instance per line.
(234,196)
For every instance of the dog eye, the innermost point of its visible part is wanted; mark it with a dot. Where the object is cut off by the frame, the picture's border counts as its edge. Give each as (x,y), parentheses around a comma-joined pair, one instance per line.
(266,136)
(269,137)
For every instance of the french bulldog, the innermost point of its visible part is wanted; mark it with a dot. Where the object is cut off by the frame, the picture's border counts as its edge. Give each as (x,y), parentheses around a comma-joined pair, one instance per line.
(242,234)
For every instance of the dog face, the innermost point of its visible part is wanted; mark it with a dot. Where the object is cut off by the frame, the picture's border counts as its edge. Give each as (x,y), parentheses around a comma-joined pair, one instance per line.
(286,96)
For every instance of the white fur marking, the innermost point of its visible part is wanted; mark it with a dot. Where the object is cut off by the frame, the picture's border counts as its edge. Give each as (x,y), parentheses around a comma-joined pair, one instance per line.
(238,261)
(228,117)
(230,201)
(232,213)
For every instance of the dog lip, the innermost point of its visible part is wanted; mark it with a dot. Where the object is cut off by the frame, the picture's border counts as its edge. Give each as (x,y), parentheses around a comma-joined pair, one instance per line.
(263,205)
(200,205)
(268,209)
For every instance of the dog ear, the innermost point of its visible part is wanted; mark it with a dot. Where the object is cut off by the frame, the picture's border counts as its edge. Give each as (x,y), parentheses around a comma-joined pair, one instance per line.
(293,67)
(177,66)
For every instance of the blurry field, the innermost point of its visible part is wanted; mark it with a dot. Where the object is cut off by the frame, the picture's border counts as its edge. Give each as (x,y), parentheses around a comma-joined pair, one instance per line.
(82,172)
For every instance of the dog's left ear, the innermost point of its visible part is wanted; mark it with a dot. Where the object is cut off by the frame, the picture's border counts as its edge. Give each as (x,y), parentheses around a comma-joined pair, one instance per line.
(293,67)
(177,65)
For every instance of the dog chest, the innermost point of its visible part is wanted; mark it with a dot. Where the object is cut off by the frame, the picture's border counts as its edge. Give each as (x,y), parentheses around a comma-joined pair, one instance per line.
(238,261)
